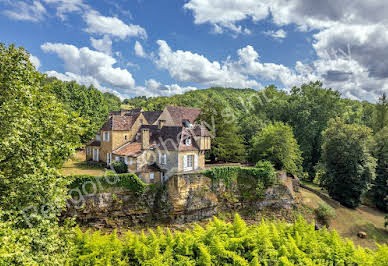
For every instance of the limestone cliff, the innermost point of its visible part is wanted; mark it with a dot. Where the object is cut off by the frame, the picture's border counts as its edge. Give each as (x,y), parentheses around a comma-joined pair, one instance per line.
(184,198)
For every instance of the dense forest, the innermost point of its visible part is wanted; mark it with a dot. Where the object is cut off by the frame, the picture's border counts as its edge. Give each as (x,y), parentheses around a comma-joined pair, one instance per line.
(311,132)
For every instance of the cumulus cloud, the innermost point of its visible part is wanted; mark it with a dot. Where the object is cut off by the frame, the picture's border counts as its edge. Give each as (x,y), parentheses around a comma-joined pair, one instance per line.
(350,39)
(186,66)
(279,34)
(88,63)
(20,10)
(113,26)
(66,6)
(139,51)
(103,45)
(35,61)
(154,88)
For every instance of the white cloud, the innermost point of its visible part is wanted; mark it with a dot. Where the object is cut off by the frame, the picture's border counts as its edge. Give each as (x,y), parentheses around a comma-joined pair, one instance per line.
(66,6)
(223,14)
(83,80)
(186,66)
(351,36)
(86,62)
(139,51)
(103,45)
(21,10)
(279,34)
(35,61)
(113,26)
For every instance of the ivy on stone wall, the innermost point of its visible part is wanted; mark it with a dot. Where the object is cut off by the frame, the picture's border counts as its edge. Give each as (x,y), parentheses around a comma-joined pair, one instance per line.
(86,184)
(251,181)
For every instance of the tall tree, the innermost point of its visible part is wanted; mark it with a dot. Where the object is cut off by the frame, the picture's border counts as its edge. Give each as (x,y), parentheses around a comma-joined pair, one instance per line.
(381,113)
(380,185)
(36,137)
(309,109)
(276,143)
(227,145)
(346,161)
(89,103)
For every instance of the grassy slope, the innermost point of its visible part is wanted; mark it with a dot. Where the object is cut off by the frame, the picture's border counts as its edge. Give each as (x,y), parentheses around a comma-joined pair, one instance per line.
(78,166)
(348,222)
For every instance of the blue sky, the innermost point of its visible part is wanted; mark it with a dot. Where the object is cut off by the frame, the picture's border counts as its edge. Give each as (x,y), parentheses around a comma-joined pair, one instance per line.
(195,44)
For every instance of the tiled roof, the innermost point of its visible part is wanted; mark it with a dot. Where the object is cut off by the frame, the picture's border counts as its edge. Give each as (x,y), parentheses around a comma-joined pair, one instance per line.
(149,168)
(94,142)
(128,149)
(170,138)
(178,114)
(201,130)
(152,116)
(118,122)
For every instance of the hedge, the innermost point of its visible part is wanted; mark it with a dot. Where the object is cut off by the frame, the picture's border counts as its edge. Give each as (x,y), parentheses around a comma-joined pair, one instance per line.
(88,183)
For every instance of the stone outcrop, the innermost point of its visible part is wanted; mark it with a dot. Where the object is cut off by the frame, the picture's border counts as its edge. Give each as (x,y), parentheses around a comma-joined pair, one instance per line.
(184,198)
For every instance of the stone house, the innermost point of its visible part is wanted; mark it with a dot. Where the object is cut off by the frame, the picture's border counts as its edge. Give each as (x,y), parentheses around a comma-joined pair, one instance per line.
(155,145)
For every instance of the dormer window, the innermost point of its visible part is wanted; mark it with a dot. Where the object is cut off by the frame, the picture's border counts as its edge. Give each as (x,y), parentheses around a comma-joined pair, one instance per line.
(188,141)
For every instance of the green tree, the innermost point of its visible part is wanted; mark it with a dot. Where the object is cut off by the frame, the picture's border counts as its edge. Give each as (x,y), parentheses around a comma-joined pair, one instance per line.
(381,120)
(276,143)
(89,103)
(346,161)
(227,145)
(309,109)
(36,137)
(380,185)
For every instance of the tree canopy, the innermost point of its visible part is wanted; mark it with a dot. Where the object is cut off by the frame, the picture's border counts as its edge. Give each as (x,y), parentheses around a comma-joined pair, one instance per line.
(347,161)
(276,143)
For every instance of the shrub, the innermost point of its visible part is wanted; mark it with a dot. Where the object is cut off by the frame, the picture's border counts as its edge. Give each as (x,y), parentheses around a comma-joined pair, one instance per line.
(324,213)
(119,167)
(89,184)
(221,243)
(267,172)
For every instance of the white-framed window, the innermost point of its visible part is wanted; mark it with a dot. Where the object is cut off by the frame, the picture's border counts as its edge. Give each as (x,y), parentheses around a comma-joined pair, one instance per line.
(188,162)
(106,136)
(162,158)
(152,176)
(188,141)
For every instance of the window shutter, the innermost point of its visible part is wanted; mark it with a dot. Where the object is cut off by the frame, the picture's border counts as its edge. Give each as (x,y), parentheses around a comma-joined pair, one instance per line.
(126,160)
(117,158)
(160,158)
(165,158)
(195,161)
(184,162)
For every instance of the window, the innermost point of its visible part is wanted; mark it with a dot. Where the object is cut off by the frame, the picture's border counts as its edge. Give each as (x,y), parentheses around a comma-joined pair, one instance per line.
(141,121)
(164,158)
(152,176)
(122,159)
(125,137)
(189,161)
(130,161)
(106,136)
(188,141)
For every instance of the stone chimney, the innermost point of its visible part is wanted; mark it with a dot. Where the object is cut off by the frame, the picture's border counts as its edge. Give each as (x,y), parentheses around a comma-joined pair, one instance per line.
(145,138)
(161,123)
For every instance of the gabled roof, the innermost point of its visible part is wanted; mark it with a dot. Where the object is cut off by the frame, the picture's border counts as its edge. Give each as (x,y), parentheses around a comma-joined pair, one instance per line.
(129,149)
(94,142)
(179,114)
(118,122)
(170,137)
(200,131)
(152,116)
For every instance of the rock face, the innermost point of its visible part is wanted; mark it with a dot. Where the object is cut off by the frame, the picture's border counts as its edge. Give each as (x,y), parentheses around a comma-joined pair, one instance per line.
(184,198)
